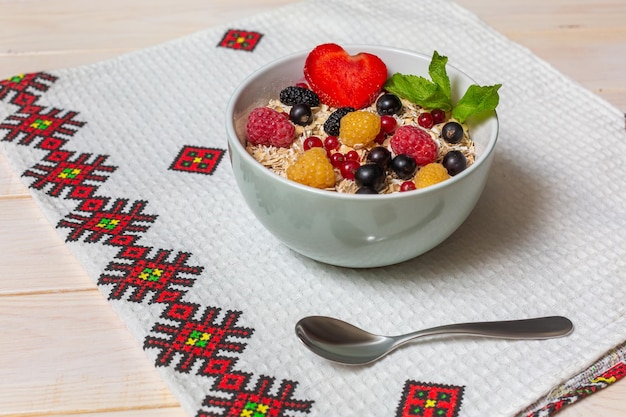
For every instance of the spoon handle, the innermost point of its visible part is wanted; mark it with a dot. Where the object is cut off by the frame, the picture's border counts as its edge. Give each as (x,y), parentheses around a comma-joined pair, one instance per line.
(537,328)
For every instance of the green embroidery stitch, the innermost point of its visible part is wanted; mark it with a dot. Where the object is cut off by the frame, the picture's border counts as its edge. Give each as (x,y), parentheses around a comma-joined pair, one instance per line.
(151,274)
(107,223)
(41,124)
(69,173)
(252,409)
(198,339)
(16,78)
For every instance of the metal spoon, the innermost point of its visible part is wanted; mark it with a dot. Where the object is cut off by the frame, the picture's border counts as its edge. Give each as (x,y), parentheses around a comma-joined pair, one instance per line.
(342,342)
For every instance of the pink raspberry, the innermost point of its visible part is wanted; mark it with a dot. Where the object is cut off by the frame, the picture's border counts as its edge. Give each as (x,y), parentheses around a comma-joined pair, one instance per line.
(415,142)
(268,127)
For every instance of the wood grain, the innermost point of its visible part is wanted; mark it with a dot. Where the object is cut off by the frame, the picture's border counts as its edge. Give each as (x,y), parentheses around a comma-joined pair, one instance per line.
(54,360)
(81,357)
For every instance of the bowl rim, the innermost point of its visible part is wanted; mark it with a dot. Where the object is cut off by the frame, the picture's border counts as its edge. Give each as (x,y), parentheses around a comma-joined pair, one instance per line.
(234,142)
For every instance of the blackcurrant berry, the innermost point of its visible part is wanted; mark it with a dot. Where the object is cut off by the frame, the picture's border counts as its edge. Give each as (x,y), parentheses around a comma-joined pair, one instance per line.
(370,175)
(379,155)
(366,190)
(388,104)
(454,162)
(452,132)
(300,114)
(404,166)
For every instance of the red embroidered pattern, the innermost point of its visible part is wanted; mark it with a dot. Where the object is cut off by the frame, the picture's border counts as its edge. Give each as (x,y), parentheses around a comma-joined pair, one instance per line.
(25,89)
(196,340)
(429,400)
(136,274)
(60,172)
(615,373)
(240,39)
(187,335)
(117,225)
(38,123)
(257,402)
(197,159)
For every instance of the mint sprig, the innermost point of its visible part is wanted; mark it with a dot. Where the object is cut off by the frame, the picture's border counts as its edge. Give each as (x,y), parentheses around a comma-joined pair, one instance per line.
(438,73)
(436,92)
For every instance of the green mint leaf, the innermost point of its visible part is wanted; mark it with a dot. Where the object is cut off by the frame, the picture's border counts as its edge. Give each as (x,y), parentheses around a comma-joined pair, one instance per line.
(418,90)
(476,99)
(438,73)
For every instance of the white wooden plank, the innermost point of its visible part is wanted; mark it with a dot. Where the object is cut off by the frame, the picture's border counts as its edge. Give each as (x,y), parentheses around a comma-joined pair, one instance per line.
(27,26)
(10,184)
(33,257)
(68,351)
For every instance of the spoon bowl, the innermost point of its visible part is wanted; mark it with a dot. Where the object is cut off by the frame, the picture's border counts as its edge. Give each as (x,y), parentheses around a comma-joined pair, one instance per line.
(342,342)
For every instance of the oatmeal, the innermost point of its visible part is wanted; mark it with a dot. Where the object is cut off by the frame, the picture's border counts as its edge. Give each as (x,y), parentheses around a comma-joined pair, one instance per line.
(374,137)
(278,159)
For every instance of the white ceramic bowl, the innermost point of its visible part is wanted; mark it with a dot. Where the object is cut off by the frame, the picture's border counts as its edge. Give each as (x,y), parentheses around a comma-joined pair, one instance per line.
(351,230)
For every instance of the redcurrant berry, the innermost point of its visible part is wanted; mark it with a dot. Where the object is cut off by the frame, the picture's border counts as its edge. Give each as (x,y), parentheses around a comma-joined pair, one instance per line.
(348,168)
(407,186)
(439,116)
(302,85)
(388,123)
(353,156)
(336,159)
(380,138)
(312,142)
(331,143)
(426,120)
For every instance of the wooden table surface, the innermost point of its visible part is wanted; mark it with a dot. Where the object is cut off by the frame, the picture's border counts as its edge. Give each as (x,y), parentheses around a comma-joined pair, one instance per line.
(63,350)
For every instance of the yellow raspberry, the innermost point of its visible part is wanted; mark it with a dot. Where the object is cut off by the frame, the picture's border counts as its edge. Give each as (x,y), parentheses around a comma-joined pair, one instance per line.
(359,127)
(430,174)
(313,168)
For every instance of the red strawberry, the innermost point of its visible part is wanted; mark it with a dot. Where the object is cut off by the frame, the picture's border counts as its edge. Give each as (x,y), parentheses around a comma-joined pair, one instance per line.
(266,126)
(342,80)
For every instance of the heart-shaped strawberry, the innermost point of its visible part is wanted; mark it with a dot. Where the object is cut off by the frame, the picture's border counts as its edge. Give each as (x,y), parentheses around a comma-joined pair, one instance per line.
(343,80)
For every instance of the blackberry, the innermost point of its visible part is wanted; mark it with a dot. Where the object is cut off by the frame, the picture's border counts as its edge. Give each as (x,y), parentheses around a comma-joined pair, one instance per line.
(331,125)
(293,95)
